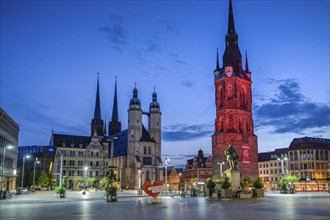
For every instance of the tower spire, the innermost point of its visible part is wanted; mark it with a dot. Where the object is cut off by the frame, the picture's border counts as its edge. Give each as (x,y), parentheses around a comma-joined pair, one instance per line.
(105,127)
(97,111)
(246,62)
(231,24)
(232,55)
(218,66)
(115,105)
(97,122)
(115,124)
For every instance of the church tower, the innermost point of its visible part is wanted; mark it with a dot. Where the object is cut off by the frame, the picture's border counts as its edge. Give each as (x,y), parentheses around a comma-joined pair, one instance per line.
(97,122)
(114,124)
(233,99)
(154,123)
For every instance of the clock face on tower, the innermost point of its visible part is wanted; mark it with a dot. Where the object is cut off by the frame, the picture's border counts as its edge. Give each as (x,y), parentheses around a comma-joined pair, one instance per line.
(229,71)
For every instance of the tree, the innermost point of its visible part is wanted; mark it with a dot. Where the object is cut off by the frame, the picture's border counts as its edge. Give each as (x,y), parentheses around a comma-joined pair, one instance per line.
(288,180)
(246,183)
(226,183)
(77,180)
(90,181)
(258,183)
(110,189)
(210,183)
(44,179)
(193,180)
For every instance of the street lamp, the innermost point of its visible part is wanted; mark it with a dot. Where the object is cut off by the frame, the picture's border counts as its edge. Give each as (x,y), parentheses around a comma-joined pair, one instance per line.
(3,165)
(26,156)
(166,164)
(140,179)
(281,158)
(86,168)
(61,167)
(34,173)
(221,163)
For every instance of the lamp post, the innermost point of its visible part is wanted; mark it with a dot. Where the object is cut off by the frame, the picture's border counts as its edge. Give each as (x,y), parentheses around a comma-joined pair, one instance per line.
(166,164)
(61,168)
(3,165)
(86,168)
(281,158)
(140,173)
(26,156)
(34,173)
(221,163)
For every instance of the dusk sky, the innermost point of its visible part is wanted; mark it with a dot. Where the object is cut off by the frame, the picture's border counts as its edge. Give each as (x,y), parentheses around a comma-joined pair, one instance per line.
(51,52)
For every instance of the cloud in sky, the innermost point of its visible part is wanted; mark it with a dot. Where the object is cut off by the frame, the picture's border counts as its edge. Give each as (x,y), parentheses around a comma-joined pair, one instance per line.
(184,132)
(116,32)
(187,83)
(287,111)
(290,111)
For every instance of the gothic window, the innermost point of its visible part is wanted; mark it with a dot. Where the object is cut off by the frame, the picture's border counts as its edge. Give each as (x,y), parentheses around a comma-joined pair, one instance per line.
(240,125)
(242,98)
(219,97)
(231,123)
(229,91)
(247,126)
(146,160)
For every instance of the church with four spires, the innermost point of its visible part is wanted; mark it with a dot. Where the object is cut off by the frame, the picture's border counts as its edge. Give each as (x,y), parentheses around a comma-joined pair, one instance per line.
(134,154)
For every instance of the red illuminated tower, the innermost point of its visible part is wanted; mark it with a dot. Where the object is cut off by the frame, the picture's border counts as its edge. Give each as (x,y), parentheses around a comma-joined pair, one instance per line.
(233,98)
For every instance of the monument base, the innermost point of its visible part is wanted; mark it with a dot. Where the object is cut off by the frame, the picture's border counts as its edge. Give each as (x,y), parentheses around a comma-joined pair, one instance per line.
(155,201)
(235,178)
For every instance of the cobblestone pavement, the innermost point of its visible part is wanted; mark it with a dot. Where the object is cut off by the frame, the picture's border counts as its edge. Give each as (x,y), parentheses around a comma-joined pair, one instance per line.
(44,205)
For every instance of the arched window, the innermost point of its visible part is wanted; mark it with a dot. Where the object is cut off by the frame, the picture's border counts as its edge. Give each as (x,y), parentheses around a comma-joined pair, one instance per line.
(230,91)
(231,123)
(242,98)
(219,97)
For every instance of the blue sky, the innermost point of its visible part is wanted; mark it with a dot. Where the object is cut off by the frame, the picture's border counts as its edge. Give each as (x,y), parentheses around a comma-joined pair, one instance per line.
(51,52)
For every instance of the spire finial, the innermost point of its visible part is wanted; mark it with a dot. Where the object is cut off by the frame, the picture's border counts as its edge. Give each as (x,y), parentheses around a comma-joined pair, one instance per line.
(231,25)
(115,105)
(246,62)
(218,66)
(97,112)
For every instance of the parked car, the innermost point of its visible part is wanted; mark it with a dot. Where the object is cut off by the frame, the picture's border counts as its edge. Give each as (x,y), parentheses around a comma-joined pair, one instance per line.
(24,190)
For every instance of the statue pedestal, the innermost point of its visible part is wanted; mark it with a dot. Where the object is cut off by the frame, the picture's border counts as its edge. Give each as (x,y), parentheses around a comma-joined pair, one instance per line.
(155,201)
(235,178)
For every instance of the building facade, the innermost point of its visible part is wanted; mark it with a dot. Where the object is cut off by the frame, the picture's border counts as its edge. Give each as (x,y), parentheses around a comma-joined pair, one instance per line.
(134,153)
(309,158)
(233,100)
(306,158)
(199,168)
(9,131)
(40,158)
(271,170)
